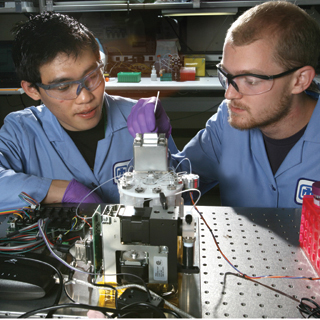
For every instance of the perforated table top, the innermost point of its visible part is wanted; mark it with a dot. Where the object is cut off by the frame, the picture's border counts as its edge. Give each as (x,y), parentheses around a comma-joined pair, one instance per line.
(257,242)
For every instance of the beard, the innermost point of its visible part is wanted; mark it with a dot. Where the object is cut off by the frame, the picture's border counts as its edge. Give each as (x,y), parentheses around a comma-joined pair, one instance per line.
(269,116)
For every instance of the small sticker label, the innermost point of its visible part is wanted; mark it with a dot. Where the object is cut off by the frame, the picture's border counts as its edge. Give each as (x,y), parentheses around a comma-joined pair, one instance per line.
(160,267)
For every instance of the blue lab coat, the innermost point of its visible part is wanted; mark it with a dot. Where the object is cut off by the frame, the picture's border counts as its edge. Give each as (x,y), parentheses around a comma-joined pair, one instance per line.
(35,149)
(238,161)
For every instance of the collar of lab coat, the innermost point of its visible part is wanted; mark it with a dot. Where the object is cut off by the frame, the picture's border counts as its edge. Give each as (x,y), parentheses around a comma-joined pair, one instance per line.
(116,119)
(311,134)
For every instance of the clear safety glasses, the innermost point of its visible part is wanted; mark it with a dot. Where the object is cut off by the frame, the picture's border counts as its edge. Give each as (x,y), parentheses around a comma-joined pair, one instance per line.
(249,84)
(70,90)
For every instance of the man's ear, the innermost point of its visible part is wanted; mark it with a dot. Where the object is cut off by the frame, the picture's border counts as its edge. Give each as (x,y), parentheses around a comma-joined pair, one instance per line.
(304,77)
(31,91)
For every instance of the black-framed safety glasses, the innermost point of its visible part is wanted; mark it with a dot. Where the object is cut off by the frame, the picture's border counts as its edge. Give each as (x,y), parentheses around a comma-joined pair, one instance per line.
(248,83)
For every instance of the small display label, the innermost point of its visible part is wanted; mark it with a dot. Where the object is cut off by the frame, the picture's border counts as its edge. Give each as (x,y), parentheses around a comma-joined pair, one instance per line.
(160,267)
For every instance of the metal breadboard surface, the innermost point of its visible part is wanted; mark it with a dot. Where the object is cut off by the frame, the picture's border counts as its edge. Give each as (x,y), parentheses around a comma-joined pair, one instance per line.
(258,242)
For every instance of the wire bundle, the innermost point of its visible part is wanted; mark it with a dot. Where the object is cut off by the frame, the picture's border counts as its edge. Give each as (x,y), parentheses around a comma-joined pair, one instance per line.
(22,241)
(28,199)
(309,310)
(23,234)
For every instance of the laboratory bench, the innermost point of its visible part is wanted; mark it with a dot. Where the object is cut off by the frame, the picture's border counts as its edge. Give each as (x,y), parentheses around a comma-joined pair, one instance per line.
(257,242)
(201,83)
(146,84)
(11,91)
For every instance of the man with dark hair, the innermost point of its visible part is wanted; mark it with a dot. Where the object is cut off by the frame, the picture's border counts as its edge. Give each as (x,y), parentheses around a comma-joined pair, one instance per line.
(77,139)
(263,144)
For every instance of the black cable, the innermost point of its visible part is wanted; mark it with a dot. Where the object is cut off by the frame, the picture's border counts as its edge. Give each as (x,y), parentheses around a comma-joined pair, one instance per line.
(131,314)
(143,282)
(67,305)
(159,312)
(309,310)
(50,313)
(134,306)
(67,293)
(172,312)
(59,293)
(130,309)
(116,291)
(168,19)
(22,102)
(11,105)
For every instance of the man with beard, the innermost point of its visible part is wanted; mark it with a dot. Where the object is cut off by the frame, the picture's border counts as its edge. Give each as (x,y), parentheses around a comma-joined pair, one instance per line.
(263,144)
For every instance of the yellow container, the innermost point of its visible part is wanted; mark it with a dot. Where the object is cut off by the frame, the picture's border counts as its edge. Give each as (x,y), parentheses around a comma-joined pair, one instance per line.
(196,61)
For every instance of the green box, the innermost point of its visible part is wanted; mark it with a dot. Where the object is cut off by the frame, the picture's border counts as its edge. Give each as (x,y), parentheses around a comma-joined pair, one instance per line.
(165,76)
(129,76)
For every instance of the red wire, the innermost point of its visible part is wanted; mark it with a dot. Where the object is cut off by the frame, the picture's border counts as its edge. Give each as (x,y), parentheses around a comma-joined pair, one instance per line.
(242,274)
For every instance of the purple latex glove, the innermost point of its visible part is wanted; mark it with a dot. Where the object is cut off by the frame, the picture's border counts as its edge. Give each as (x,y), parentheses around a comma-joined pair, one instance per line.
(76,192)
(143,119)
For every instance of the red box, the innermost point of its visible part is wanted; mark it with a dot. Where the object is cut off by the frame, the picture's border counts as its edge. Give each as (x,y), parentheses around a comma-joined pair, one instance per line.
(310,230)
(187,73)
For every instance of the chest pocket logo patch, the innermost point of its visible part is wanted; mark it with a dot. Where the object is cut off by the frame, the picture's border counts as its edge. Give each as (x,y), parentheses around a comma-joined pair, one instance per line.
(119,169)
(304,187)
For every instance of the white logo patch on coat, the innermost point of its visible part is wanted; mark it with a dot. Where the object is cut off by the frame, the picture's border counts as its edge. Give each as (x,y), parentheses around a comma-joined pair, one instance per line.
(304,187)
(119,169)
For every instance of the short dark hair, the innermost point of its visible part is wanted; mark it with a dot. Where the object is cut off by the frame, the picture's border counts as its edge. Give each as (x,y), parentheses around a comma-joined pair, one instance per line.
(39,40)
(294,33)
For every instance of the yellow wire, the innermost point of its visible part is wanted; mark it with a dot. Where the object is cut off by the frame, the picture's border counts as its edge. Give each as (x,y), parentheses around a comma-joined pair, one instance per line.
(73,226)
(18,214)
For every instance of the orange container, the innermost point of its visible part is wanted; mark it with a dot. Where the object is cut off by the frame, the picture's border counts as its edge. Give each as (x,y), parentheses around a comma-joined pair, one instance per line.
(187,73)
